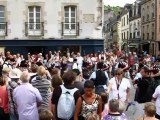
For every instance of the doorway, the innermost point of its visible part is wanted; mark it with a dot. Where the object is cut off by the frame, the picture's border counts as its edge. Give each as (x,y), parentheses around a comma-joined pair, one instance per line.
(36,49)
(70,49)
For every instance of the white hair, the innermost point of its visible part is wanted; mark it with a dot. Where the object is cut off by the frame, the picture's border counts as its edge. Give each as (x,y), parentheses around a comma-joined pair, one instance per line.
(25,77)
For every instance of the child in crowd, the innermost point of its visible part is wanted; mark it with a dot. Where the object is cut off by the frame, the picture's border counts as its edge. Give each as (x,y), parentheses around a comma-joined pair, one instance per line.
(46,115)
(105,106)
(92,116)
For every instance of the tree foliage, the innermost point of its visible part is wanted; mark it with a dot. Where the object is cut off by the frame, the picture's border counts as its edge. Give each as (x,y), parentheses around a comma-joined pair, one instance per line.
(109,8)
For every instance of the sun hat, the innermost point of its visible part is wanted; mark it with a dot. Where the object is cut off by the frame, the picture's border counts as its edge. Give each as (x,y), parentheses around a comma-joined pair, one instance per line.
(15,73)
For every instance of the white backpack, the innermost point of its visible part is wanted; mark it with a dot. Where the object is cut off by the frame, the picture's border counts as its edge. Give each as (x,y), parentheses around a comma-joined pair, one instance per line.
(66,103)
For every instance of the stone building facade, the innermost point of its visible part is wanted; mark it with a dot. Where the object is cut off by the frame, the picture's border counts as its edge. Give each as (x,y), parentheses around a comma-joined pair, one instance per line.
(61,22)
(135,26)
(148,26)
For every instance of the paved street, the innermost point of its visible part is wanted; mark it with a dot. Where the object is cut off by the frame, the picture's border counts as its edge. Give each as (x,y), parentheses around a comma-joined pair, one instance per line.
(129,113)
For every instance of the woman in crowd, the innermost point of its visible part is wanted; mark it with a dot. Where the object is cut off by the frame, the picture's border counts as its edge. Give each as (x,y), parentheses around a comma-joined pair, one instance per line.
(3,99)
(119,87)
(43,84)
(56,81)
(88,103)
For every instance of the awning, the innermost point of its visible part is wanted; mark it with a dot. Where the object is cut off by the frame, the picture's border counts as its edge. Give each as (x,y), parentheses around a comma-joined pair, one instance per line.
(51,42)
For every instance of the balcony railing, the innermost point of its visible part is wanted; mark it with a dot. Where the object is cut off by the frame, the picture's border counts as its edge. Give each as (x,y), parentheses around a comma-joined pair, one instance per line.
(34,28)
(3,29)
(70,29)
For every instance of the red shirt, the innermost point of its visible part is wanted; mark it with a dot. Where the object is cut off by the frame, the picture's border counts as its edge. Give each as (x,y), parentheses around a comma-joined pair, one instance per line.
(4,98)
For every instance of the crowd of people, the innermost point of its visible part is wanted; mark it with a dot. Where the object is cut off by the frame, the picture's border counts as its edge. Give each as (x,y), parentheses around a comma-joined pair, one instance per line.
(95,86)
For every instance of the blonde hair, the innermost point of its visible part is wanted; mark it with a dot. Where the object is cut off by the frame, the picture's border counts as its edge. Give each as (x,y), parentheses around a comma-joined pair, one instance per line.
(41,71)
(25,77)
(150,109)
(92,116)
(46,115)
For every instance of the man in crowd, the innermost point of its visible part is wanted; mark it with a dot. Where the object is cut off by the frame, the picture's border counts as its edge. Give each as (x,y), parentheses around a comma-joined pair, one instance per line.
(68,78)
(144,91)
(27,98)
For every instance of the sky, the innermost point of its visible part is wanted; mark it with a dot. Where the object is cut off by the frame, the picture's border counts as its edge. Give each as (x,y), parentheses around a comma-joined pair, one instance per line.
(120,3)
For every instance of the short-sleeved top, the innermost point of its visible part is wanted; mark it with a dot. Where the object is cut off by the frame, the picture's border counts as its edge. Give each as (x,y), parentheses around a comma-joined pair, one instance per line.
(93,75)
(115,117)
(57,93)
(157,95)
(87,108)
(4,98)
(124,85)
(138,75)
(26,97)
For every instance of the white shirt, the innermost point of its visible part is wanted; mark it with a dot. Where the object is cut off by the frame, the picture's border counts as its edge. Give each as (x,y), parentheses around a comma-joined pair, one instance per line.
(138,75)
(1,60)
(6,64)
(121,91)
(93,75)
(157,96)
(80,60)
(77,66)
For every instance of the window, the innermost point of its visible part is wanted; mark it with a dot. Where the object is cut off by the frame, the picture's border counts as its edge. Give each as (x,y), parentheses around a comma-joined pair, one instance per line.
(34,17)
(124,22)
(147,36)
(152,35)
(147,17)
(127,20)
(2,17)
(122,35)
(152,31)
(143,33)
(148,12)
(138,33)
(138,25)
(127,35)
(70,17)
(147,28)
(143,14)
(130,35)
(152,10)
(143,18)
(134,35)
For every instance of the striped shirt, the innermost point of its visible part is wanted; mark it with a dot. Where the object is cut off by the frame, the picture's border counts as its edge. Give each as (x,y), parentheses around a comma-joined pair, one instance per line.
(10,87)
(43,85)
